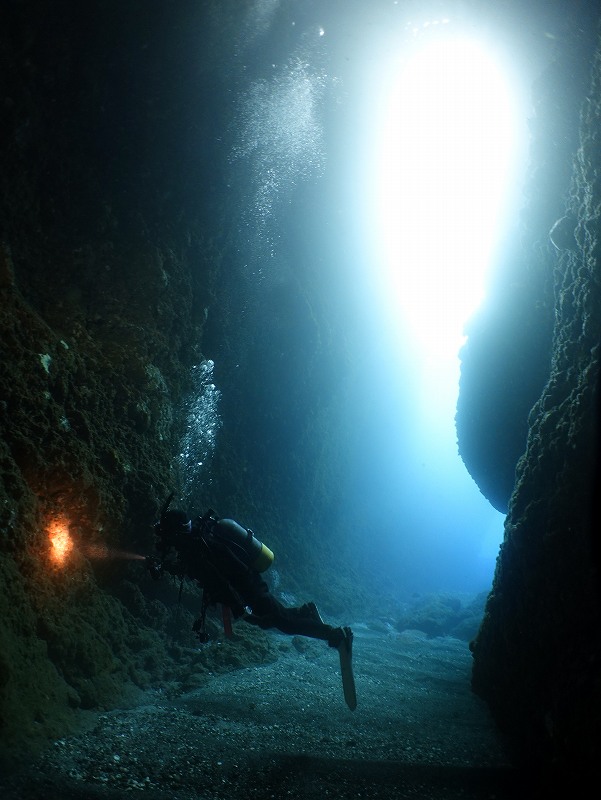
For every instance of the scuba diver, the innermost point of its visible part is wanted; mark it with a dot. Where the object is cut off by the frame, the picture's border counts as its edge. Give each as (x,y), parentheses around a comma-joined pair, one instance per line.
(227,561)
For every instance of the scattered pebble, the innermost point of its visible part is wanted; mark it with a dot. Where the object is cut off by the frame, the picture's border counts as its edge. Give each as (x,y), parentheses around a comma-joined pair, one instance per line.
(283,729)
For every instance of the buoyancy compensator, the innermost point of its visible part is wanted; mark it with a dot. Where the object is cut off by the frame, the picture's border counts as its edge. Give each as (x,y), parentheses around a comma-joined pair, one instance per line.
(243,541)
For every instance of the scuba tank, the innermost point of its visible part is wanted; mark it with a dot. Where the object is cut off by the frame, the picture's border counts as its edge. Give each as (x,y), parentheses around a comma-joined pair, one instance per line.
(243,541)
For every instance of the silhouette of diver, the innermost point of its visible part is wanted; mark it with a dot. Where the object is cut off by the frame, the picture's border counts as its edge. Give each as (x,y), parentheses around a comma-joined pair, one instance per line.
(227,561)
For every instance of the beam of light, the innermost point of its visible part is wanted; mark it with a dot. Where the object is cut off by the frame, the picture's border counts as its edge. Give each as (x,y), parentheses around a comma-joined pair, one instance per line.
(103,552)
(442,168)
(61,543)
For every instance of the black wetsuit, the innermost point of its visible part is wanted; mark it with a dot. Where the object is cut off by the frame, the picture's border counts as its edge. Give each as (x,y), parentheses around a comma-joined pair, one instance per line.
(227,579)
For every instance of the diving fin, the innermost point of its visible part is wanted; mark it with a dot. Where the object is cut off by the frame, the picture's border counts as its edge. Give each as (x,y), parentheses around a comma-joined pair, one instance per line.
(345,651)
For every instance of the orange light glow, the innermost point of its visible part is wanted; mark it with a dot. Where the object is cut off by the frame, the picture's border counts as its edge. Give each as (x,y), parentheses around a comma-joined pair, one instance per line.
(60,541)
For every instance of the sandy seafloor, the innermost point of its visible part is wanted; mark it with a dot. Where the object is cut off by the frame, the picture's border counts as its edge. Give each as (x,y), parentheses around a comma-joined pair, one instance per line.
(283,730)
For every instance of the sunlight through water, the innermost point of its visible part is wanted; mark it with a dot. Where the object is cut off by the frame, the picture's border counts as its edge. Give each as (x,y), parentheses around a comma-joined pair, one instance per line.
(442,165)
(445,155)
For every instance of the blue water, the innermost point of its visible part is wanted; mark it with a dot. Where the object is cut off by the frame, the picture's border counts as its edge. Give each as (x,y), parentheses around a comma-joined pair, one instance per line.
(303,76)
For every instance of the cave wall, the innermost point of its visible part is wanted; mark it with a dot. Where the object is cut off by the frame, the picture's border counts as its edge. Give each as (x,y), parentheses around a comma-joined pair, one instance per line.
(106,270)
(537,657)
(506,358)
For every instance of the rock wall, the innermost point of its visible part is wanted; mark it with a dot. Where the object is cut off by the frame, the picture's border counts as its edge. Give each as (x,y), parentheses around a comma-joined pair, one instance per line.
(537,657)
(105,274)
(505,361)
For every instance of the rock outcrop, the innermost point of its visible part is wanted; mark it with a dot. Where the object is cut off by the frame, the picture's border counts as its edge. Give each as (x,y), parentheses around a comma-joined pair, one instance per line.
(505,361)
(101,320)
(537,657)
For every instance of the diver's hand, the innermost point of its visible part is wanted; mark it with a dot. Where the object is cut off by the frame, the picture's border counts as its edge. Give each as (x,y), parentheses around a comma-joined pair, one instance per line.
(154,565)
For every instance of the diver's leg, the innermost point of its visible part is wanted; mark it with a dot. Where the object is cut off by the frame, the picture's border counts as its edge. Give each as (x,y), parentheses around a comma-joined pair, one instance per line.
(304,621)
